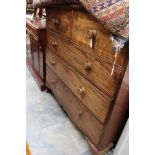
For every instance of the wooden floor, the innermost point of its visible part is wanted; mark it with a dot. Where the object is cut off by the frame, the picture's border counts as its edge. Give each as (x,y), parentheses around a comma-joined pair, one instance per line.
(28,152)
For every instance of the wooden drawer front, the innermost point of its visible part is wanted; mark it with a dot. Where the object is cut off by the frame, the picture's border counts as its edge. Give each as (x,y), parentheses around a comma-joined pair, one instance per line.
(59,21)
(32,31)
(74,108)
(60,46)
(83,24)
(94,99)
(94,69)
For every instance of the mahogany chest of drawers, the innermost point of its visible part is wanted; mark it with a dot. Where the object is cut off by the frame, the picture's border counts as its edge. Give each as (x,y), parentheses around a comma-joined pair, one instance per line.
(79,75)
(35,52)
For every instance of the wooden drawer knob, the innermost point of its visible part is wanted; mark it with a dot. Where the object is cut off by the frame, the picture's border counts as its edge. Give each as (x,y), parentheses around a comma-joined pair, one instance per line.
(91,33)
(55,20)
(79,112)
(52,62)
(87,66)
(54,44)
(53,81)
(81,90)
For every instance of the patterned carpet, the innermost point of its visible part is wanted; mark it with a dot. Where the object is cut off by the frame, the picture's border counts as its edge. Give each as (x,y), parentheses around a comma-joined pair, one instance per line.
(49,130)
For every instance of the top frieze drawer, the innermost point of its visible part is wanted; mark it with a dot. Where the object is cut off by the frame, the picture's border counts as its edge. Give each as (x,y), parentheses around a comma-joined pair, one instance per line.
(59,21)
(90,34)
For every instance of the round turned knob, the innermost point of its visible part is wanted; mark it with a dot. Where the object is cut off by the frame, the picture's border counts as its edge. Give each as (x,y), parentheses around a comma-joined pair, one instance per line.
(91,33)
(55,20)
(53,81)
(79,112)
(52,62)
(81,90)
(54,43)
(87,66)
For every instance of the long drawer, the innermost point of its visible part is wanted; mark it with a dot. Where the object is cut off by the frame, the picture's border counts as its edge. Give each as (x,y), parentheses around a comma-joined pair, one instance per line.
(97,102)
(101,44)
(74,108)
(94,69)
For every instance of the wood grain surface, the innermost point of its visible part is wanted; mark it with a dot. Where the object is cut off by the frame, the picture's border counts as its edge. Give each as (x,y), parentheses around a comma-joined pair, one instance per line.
(59,21)
(79,59)
(82,23)
(99,71)
(78,113)
(97,102)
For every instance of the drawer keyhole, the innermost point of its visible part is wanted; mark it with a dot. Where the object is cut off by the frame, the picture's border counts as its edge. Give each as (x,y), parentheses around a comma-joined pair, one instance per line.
(66,68)
(65,88)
